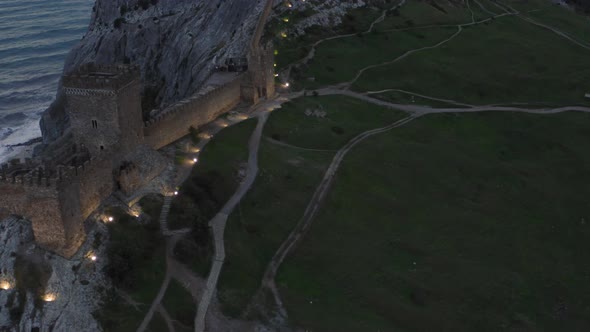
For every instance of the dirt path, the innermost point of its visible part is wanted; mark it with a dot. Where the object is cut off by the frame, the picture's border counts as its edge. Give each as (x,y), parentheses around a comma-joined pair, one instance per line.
(170,243)
(219,221)
(470,11)
(313,206)
(195,285)
(484,8)
(448,101)
(311,53)
(162,311)
(556,31)
(410,52)
(173,267)
(268,281)
(275,142)
(510,9)
(406,54)
(422,109)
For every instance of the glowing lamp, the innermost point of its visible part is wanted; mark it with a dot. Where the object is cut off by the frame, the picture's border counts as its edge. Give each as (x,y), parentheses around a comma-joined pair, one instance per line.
(5,285)
(49,297)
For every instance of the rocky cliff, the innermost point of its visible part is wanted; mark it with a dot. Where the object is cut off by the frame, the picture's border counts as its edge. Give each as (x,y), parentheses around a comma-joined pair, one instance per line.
(176,43)
(45,292)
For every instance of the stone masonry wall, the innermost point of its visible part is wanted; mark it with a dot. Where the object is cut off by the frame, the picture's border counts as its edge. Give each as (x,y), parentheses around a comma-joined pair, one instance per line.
(196,111)
(80,193)
(39,203)
(102,108)
(57,205)
(130,117)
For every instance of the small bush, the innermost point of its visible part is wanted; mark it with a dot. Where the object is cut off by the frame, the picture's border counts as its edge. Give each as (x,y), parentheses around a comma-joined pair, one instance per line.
(118,22)
(338,130)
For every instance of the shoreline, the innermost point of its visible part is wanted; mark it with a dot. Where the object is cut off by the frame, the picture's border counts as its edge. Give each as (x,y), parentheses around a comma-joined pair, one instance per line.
(27,143)
(21,150)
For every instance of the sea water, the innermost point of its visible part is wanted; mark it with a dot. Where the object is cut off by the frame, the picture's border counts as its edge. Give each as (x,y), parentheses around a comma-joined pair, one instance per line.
(35,38)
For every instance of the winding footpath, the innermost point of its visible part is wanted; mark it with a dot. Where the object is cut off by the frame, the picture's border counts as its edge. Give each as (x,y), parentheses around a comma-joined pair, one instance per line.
(268,280)
(219,221)
(415,111)
(311,52)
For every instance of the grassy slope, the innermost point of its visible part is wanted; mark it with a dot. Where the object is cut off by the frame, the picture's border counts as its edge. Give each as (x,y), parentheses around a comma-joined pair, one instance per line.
(147,273)
(405,98)
(339,60)
(264,218)
(179,304)
(221,157)
(211,183)
(491,209)
(288,176)
(420,13)
(117,315)
(577,26)
(470,69)
(158,324)
(351,115)
(296,48)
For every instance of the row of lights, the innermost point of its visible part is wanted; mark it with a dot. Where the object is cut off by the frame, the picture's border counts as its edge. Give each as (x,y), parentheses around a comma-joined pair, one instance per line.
(284,35)
(8,284)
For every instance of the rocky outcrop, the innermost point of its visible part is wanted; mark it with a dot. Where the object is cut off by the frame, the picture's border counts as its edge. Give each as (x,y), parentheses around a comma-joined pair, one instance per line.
(325,13)
(176,43)
(40,290)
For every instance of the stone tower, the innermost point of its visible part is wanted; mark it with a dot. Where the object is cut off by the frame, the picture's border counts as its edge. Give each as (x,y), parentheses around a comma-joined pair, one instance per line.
(103,103)
(260,81)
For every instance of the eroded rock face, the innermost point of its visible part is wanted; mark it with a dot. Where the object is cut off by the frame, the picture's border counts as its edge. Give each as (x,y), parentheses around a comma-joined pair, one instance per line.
(325,13)
(176,43)
(71,289)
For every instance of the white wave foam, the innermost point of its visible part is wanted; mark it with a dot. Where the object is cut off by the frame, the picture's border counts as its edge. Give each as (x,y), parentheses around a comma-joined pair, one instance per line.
(19,134)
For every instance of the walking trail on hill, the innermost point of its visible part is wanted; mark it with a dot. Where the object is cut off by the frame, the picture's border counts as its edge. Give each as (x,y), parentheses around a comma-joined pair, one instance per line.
(207,290)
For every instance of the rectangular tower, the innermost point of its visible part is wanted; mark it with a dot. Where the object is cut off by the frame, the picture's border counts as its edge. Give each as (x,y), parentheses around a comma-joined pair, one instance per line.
(260,81)
(103,103)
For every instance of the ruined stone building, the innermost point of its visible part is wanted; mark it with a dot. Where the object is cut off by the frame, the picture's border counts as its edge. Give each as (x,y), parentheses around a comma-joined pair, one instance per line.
(109,147)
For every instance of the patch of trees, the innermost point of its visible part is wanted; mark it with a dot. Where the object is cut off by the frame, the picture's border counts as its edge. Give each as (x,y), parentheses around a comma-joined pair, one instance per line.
(132,245)
(32,274)
(200,199)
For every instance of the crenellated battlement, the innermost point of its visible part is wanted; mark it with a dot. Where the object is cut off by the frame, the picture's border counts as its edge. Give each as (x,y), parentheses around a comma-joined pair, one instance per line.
(108,148)
(33,179)
(94,79)
(193,102)
(26,172)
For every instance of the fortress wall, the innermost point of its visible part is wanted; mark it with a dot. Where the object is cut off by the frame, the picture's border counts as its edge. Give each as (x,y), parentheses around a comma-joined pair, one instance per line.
(39,202)
(81,191)
(130,116)
(196,111)
(102,108)
(57,204)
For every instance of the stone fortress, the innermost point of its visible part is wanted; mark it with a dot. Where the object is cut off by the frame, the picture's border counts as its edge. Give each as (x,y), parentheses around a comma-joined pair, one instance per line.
(109,148)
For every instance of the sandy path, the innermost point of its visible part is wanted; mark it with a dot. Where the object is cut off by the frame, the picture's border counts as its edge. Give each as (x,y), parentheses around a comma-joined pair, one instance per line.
(219,221)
